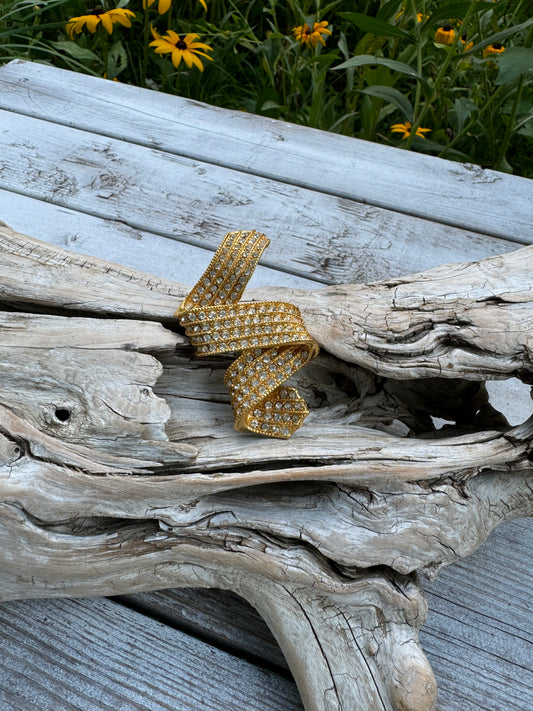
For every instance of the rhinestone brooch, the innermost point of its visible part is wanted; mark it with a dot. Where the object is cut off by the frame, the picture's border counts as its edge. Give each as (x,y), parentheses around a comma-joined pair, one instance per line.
(270,336)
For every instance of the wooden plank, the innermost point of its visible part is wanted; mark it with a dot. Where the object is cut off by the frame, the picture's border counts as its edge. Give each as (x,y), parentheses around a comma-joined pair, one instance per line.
(314,235)
(97,655)
(220,617)
(478,637)
(416,184)
(118,242)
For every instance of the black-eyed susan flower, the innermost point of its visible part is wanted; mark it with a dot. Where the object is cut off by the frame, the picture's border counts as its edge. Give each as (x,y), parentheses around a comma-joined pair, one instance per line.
(445,35)
(494,48)
(405,130)
(311,37)
(186,48)
(106,18)
(466,43)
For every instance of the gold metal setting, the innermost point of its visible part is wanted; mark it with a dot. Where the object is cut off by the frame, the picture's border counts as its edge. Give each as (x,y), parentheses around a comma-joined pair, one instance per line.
(271,335)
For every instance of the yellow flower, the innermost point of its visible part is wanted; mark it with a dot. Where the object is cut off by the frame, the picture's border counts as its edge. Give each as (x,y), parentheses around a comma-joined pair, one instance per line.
(164,5)
(107,19)
(466,44)
(445,35)
(494,48)
(405,130)
(311,37)
(187,49)
(420,17)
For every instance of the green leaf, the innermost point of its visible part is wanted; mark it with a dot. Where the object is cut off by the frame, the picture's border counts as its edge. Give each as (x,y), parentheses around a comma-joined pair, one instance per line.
(388,10)
(461,112)
(269,105)
(455,11)
(375,26)
(365,59)
(512,63)
(499,36)
(392,96)
(74,50)
(117,60)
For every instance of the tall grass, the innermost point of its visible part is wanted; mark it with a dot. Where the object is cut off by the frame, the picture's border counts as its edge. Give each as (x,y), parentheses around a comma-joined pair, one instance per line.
(454,79)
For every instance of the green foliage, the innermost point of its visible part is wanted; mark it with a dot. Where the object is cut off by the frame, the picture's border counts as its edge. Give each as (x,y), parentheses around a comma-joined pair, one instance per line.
(370,65)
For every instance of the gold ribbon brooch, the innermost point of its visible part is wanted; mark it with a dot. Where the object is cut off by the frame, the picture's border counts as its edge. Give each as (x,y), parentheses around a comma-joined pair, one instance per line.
(270,335)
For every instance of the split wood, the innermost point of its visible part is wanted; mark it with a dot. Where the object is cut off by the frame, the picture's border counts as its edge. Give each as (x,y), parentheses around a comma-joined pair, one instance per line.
(121,471)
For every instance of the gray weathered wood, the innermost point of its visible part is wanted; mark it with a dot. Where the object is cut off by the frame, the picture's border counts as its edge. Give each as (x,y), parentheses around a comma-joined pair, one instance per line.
(115,241)
(330,238)
(324,562)
(479,642)
(369,173)
(248,146)
(118,659)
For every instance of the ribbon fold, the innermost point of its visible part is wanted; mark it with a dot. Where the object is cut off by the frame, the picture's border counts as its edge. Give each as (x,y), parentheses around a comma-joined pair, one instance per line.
(270,335)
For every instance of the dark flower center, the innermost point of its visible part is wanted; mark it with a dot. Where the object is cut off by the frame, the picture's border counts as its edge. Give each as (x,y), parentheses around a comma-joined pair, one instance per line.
(181,44)
(496,45)
(446,28)
(97,11)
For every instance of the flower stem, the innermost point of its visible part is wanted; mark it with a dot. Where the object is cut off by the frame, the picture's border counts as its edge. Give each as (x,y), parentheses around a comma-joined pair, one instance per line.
(146,37)
(440,76)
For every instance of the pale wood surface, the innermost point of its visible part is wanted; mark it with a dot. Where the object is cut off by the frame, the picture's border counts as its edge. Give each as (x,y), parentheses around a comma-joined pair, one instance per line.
(71,157)
(371,174)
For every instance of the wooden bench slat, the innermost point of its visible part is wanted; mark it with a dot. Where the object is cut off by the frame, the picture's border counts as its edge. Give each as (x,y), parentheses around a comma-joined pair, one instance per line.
(410,183)
(118,242)
(97,655)
(312,234)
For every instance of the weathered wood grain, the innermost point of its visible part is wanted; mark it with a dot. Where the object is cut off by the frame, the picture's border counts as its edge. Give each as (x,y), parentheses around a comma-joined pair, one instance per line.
(116,241)
(23,330)
(117,659)
(372,174)
(478,641)
(319,605)
(405,328)
(328,238)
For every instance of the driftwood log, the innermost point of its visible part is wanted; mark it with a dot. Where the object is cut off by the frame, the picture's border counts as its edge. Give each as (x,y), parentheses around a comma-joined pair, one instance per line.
(121,471)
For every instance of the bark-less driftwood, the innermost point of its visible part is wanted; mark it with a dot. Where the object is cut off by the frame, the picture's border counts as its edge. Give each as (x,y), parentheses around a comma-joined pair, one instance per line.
(121,470)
